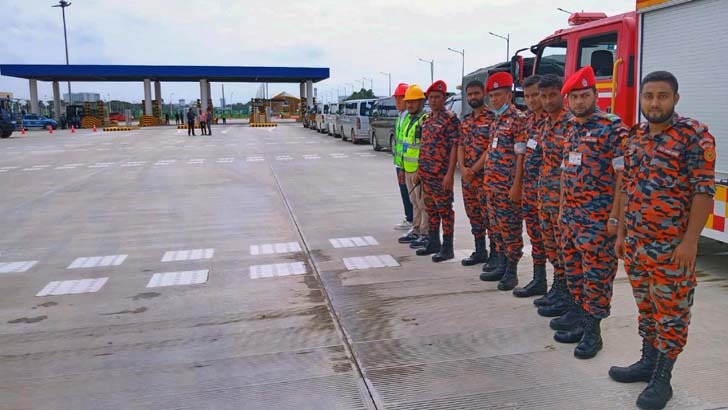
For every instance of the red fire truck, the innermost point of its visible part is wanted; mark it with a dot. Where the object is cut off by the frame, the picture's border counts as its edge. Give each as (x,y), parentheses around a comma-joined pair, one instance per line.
(686,37)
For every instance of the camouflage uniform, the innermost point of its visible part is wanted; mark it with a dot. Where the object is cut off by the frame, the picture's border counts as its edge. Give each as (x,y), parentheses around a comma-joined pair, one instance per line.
(532,161)
(662,173)
(474,140)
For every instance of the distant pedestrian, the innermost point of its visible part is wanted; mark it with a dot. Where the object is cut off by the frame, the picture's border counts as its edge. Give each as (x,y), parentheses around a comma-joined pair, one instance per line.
(166,119)
(190,122)
(210,116)
(203,122)
(176,118)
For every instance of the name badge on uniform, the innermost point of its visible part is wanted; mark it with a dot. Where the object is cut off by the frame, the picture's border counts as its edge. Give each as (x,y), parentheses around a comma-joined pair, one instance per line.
(575,158)
(532,143)
(495,143)
(404,147)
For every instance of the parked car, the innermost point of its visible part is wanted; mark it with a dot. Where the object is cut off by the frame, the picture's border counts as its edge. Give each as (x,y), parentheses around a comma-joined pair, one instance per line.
(339,121)
(382,118)
(355,123)
(39,121)
(331,118)
(455,104)
(117,116)
(322,124)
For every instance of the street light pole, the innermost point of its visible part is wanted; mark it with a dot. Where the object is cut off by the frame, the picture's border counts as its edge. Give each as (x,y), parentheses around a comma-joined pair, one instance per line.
(565,11)
(232,103)
(371,83)
(170,103)
(63,4)
(389,76)
(432,69)
(507,38)
(462,53)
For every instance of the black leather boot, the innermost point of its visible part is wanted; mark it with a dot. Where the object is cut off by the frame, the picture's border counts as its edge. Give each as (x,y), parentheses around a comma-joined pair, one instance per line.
(433,244)
(572,335)
(479,256)
(510,277)
(558,308)
(558,289)
(659,391)
(446,251)
(591,342)
(498,273)
(640,371)
(568,320)
(493,260)
(537,286)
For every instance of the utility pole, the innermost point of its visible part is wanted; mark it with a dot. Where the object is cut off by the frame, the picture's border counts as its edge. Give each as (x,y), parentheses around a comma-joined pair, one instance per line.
(63,4)
(432,69)
(389,76)
(462,53)
(507,38)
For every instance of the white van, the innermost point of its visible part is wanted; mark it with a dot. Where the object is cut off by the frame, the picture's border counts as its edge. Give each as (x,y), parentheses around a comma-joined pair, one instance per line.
(355,122)
(331,118)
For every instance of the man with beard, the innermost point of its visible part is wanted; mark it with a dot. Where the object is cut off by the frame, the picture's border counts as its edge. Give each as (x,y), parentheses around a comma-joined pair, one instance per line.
(440,137)
(669,184)
(591,177)
(528,179)
(473,143)
(506,147)
(557,301)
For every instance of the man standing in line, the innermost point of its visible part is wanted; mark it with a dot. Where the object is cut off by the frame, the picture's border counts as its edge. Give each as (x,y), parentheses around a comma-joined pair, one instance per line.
(473,143)
(203,122)
(406,224)
(190,122)
(552,140)
(411,133)
(532,161)
(440,138)
(505,153)
(591,177)
(667,196)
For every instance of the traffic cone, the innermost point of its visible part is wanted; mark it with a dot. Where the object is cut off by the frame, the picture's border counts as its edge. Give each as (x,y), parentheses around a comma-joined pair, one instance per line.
(73,129)
(94,127)
(22,131)
(50,130)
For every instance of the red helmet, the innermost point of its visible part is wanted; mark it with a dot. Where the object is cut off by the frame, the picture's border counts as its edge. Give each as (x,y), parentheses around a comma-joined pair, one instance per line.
(400,90)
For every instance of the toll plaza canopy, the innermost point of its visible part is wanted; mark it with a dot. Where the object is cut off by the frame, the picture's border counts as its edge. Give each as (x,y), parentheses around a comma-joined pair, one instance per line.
(56,73)
(46,72)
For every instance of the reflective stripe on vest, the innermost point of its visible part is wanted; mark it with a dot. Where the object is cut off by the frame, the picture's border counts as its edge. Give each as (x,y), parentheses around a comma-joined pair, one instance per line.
(411,157)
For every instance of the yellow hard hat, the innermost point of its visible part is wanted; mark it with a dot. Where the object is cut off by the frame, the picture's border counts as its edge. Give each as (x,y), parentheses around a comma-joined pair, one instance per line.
(414,92)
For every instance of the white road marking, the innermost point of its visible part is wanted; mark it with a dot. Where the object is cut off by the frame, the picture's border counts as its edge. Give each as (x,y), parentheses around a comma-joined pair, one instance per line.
(16,267)
(225,160)
(366,154)
(97,261)
(134,164)
(353,242)
(271,248)
(339,156)
(311,142)
(254,159)
(188,255)
(196,161)
(278,269)
(369,262)
(163,162)
(9,168)
(72,287)
(283,158)
(101,165)
(311,156)
(192,277)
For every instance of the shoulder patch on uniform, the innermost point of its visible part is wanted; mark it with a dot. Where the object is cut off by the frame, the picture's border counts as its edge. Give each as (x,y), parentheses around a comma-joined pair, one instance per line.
(709,154)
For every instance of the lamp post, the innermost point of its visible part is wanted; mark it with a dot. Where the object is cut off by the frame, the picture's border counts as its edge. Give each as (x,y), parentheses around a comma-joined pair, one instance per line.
(63,4)
(352,88)
(232,103)
(389,77)
(507,38)
(432,69)
(371,83)
(565,11)
(462,53)
(170,103)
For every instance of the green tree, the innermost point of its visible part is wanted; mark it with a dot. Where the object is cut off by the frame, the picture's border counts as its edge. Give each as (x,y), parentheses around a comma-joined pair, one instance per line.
(362,94)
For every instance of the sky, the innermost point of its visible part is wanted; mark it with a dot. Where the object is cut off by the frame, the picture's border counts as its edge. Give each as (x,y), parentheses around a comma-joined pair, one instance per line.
(357,40)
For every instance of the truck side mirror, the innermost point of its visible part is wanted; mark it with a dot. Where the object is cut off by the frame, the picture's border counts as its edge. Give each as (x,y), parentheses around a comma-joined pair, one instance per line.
(517,69)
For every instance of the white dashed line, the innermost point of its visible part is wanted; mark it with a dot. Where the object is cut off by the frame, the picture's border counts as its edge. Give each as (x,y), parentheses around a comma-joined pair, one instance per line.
(278,269)
(353,242)
(196,161)
(16,267)
(192,277)
(369,262)
(97,261)
(134,164)
(188,255)
(225,160)
(254,159)
(284,158)
(339,156)
(271,248)
(311,157)
(69,287)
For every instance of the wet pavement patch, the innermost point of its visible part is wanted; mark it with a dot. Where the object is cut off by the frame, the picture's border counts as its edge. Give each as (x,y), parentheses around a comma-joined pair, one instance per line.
(28,319)
(124,312)
(146,295)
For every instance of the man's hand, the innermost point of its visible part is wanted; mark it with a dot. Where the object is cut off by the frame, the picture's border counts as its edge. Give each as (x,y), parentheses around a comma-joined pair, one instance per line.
(515,194)
(448,181)
(611,229)
(619,244)
(467,174)
(684,254)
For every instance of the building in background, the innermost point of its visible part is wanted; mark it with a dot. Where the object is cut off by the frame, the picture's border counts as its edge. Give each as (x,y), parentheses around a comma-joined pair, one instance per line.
(285,104)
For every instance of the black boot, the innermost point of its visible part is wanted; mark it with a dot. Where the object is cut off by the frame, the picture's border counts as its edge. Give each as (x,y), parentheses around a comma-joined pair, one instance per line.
(656,395)
(558,289)
(559,308)
(510,277)
(446,250)
(433,244)
(641,371)
(573,335)
(420,242)
(568,320)
(537,286)
(479,256)
(498,273)
(493,260)
(591,342)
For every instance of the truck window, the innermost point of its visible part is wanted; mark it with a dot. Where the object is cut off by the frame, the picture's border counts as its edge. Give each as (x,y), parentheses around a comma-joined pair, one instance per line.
(552,59)
(598,52)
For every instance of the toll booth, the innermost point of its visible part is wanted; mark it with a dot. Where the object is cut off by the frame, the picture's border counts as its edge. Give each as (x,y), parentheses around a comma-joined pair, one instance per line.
(260,113)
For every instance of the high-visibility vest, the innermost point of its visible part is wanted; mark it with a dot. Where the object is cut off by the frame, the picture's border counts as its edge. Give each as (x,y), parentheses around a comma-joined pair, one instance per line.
(411,142)
(397,148)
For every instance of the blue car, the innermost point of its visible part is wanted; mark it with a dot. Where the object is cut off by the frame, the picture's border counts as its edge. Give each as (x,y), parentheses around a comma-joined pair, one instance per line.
(39,121)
